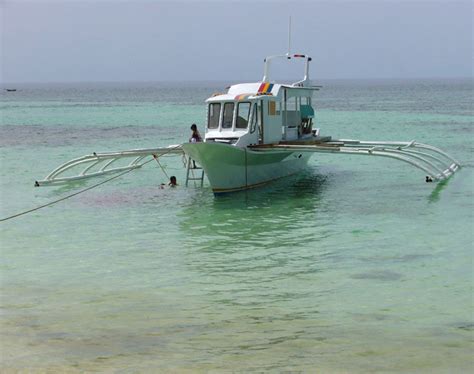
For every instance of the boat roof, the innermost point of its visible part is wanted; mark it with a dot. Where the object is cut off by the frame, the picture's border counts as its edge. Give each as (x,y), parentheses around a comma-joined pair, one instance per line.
(260,90)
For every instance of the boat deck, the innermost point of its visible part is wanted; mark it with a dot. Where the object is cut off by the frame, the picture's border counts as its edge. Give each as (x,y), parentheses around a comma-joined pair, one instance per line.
(315,140)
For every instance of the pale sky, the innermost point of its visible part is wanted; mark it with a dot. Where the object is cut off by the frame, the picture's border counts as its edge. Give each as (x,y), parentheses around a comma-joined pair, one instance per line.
(62,41)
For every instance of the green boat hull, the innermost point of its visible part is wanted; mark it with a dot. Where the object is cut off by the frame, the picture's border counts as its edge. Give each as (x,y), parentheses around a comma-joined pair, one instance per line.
(229,168)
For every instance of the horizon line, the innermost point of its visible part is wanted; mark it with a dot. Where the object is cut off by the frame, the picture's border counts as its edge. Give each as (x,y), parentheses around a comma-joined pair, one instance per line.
(6,83)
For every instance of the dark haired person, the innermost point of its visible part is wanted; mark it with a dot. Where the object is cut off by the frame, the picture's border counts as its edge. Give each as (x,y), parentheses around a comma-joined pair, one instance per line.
(195,135)
(195,138)
(171,183)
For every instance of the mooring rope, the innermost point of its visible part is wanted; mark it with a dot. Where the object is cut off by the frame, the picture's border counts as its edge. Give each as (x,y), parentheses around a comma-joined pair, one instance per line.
(155,157)
(162,169)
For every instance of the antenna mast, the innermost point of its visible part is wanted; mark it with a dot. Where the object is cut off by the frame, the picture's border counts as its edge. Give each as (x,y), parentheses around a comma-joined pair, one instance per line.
(266,67)
(289,37)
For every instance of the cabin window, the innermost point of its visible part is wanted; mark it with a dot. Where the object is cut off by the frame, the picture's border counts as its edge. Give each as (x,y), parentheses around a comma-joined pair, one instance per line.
(243,112)
(228,115)
(274,108)
(271,108)
(292,104)
(213,115)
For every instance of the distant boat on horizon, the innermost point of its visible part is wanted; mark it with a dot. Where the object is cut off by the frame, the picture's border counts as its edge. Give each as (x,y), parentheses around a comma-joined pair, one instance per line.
(10,89)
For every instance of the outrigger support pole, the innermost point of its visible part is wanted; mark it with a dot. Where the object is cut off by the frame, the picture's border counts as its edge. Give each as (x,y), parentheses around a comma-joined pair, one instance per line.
(98,164)
(436,163)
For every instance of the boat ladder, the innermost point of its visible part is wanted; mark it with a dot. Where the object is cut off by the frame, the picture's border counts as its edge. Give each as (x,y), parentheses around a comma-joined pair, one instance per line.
(98,164)
(436,163)
(190,176)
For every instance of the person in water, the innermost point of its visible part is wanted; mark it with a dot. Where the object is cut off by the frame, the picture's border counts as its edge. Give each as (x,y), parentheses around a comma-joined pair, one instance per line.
(195,135)
(171,183)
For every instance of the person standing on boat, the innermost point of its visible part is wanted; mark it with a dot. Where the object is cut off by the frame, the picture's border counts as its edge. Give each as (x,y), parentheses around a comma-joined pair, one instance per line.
(195,138)
(195,135)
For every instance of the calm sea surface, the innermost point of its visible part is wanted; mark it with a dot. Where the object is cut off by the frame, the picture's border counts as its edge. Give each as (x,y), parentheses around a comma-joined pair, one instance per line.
(355,265)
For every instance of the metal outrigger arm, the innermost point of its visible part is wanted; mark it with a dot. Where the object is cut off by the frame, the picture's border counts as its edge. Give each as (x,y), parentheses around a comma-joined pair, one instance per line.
(436,163)
(97,164)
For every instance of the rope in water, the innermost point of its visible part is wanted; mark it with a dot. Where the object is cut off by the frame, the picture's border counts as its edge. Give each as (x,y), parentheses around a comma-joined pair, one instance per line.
(84,190)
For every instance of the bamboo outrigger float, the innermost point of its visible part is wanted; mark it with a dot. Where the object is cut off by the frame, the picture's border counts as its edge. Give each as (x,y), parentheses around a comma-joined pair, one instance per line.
(256,133)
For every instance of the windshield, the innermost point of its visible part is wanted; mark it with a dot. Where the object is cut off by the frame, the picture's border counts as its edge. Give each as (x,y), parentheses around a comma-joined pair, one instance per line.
(213,115)
(228,115)
(243,112)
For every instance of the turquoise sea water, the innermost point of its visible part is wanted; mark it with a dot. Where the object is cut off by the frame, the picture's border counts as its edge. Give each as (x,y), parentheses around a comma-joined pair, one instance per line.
(355,265)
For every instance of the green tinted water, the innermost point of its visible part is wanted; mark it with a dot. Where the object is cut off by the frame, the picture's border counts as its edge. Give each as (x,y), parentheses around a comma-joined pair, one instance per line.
(355,265)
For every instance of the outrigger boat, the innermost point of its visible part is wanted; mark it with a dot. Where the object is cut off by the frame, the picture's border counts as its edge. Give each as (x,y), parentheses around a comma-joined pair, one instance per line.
(257,133)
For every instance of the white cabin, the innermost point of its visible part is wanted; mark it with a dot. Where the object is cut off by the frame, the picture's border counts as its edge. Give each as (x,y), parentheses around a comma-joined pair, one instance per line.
(261,113)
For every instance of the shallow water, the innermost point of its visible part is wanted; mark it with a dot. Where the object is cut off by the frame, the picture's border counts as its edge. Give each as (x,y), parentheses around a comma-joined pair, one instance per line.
(355,265)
